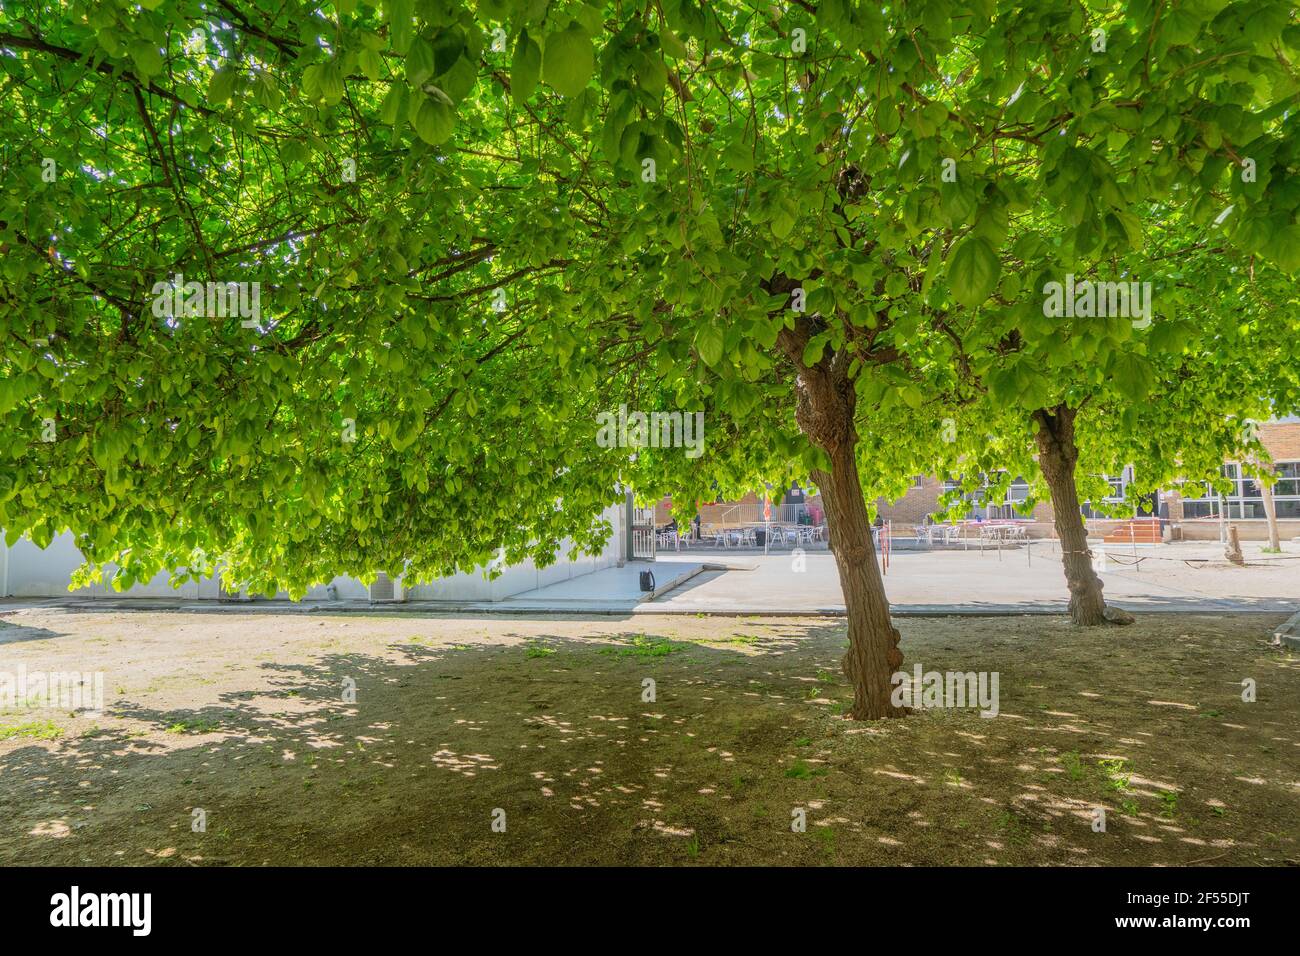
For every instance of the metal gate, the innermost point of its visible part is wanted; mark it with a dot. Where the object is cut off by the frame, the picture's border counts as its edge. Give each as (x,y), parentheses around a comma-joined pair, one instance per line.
(643,534)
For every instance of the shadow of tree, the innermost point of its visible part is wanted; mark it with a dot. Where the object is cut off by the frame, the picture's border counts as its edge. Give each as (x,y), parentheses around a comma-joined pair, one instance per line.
(11,633)
(742,729)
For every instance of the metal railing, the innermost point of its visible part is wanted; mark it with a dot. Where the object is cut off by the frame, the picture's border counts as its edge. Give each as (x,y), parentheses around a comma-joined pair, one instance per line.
(750,514)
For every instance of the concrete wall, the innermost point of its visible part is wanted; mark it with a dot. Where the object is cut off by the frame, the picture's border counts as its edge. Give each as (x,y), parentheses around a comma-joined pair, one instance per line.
(1248,529)
(28,571)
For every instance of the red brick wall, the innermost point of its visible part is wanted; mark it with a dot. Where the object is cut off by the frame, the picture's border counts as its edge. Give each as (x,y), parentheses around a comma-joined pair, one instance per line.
(1282,440)
(914,506)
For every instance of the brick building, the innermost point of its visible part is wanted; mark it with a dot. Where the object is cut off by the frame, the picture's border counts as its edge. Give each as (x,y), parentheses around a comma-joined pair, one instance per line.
(1189,512)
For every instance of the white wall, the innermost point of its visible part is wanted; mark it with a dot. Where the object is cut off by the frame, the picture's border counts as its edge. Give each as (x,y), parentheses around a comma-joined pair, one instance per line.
(28,571)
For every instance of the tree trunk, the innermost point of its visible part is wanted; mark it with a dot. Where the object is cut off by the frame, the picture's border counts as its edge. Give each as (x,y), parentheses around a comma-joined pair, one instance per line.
(1057,457)
(873,655)
(1233,551)
(1270,512)
(825,408)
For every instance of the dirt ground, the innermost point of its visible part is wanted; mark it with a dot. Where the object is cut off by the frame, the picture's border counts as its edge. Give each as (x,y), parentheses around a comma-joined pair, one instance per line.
(540,724)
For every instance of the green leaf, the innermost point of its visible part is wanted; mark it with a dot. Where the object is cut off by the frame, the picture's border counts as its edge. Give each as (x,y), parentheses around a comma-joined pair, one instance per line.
(331,82)
(221,86)
(525,67)
(568,61)
(973,270)
(739,156)
(435,120)
(390,110)
(672,46)
(398,14)
(148,61)
(708,342)
(371,63)
(1132,375)
(419,61)
(812,352)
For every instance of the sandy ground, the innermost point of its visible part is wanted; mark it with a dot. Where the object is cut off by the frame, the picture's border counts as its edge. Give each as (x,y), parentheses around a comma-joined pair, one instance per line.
(541,724)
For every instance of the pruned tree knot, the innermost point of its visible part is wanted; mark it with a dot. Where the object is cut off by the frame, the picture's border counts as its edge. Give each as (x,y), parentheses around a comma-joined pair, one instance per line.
(853,553)
(1119,616)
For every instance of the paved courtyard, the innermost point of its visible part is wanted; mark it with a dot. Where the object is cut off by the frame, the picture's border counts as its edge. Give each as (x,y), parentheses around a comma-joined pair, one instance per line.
(1174,577)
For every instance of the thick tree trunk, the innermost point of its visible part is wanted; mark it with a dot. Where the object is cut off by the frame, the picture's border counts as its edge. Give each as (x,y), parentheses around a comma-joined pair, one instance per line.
(873,655)
(825,409)
(1057,457)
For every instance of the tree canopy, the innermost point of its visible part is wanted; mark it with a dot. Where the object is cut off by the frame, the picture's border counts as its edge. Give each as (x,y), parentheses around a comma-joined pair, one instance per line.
(476,226)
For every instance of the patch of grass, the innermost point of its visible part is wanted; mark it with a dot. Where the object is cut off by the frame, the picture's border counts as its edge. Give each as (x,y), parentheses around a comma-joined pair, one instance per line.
(537,650)
(1073,764)
(803,742)
(801,771)
(1116,773)
(645,647)
(1170,801)
(742,640)
(198,725)
(34,729)
(1014,828)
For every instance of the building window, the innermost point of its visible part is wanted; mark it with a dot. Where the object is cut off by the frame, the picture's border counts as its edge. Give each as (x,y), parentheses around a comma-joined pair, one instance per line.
(1245,501)
(983,505)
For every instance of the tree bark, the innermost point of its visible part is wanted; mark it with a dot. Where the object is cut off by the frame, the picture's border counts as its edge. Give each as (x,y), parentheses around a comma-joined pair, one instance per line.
(1233,551)
(825,409)
(873,655)
(1057,457)
(1270,512)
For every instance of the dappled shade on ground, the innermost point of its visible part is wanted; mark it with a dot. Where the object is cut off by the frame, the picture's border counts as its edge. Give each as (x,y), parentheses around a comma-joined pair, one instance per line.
(242,716)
